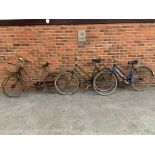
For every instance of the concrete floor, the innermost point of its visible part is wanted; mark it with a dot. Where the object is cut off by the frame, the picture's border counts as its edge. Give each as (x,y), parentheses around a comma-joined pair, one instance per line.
(124,112)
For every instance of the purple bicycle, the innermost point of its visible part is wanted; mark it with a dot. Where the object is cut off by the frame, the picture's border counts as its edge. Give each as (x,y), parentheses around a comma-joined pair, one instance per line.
(106,81)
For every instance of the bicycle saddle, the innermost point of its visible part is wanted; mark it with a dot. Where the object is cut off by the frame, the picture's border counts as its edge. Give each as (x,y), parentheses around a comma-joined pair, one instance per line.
(96,60)
(45,65)
(134,62)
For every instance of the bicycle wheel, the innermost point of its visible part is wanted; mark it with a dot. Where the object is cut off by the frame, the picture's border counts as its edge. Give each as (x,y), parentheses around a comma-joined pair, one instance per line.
(105,82)
(67,83)
(3,83)
(49,82)
(13,86)
(142,79)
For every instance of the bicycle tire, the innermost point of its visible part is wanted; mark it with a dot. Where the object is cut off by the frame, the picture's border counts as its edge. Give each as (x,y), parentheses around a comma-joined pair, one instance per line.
(3,83)
(142,73)
(63,80)
(103,87)
(49,81)
(11,83)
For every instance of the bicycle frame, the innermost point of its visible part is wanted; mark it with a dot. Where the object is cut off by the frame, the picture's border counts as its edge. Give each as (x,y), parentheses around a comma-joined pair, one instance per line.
(90,78)
(22,71)
(122,75)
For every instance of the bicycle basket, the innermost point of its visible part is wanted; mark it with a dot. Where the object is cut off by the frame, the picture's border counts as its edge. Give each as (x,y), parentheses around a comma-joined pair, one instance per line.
(11,68)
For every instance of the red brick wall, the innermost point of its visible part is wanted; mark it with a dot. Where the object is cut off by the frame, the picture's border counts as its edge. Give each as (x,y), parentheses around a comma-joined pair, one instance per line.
(59,46)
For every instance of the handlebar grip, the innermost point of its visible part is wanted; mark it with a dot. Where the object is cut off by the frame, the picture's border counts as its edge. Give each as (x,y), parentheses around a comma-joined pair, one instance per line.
(27,60)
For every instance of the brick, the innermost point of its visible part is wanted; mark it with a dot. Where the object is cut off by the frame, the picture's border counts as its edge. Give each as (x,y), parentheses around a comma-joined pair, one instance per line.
(59,45)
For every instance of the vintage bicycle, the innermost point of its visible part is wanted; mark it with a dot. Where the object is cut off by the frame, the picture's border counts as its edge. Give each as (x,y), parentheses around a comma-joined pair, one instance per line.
(69,81)
(14,84)
(106,81)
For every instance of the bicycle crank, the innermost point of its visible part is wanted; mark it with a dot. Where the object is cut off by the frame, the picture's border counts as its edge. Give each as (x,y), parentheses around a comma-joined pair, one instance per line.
(89,85)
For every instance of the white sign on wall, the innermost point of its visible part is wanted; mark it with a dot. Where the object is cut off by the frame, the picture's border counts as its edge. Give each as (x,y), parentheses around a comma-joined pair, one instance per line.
(81,35)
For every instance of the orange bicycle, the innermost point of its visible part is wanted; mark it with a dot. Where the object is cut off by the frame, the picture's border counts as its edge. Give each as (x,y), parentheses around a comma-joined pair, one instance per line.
(14,84)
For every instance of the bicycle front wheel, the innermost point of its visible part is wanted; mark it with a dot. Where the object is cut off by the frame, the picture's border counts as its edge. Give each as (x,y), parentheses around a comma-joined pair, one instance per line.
(3,83)
(67,83)
(105,83)
(13,86)
(142,79)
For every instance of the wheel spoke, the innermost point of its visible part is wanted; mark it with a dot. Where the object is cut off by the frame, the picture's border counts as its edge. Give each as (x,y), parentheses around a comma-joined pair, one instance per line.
(49,83)
(67,83)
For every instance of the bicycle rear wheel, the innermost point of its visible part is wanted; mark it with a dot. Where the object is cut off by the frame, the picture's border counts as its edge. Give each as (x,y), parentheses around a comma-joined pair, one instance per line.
(142,79)
(13,86)
(67,83)
(49,82)
(105,83)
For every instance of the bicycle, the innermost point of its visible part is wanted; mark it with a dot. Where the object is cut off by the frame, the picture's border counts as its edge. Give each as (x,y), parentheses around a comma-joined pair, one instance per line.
(68,82)
(139,78)
(14,84)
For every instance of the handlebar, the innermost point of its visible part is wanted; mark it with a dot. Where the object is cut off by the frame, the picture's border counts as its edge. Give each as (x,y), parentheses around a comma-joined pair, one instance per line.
(21,62)
(24,60)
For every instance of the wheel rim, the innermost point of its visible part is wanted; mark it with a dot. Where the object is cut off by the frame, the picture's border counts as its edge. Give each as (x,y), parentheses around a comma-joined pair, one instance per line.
(49,82)
(105,83)
(67,83)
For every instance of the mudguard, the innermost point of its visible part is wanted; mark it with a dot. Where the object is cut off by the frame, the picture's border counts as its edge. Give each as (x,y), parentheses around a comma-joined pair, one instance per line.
(147,68)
